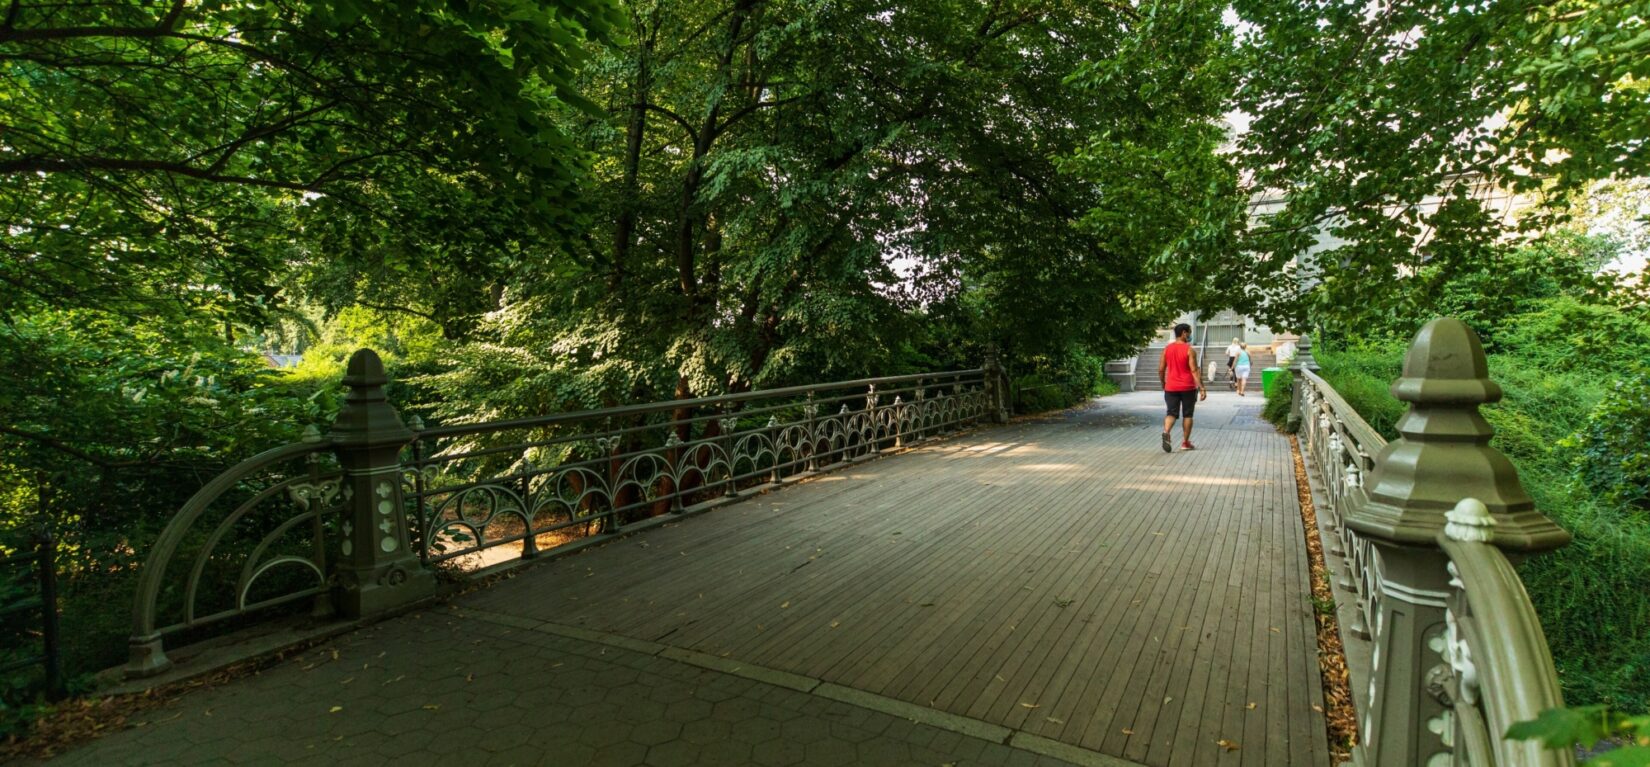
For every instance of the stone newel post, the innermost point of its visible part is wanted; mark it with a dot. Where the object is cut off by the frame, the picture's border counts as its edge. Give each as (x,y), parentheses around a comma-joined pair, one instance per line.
(1442,456)
(377,568)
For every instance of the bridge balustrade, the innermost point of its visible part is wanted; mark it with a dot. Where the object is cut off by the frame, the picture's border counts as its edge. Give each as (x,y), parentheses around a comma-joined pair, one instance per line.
(357,521)
(1427,528)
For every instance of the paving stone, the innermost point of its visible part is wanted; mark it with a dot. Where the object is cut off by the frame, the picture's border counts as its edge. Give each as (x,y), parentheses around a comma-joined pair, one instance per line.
(397,696)
(676,753)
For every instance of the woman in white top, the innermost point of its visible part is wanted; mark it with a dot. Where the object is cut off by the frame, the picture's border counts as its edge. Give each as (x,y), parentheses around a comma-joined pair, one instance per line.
(1240,368)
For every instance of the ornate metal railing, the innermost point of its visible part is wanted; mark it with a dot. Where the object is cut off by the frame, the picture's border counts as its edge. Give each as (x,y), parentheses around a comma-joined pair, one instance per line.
(253,538)
(1423,526)
(479,486)
(355,521)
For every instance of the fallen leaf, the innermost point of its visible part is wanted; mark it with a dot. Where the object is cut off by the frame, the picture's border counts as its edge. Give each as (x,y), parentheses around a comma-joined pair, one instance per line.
(1030,705)
(1229,745)
(834,624)
(784,605)
(431,707)
(1052,719)
(1127,731)
(1063,602)
(1251,706)
(335,709)
(1273,629)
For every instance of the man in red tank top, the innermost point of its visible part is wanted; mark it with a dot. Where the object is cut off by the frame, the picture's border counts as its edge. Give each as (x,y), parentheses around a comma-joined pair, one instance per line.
(1180,376)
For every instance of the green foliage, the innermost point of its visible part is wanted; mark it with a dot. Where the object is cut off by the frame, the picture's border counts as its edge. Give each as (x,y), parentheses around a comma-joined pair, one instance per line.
(1276,409)
(198,155)
(1059,382)
(111,426)
(1612,450)
(1587,726)
(1397,131)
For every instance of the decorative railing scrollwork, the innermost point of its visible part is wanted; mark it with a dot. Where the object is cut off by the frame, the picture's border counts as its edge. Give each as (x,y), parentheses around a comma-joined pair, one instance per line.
(353,520)
(1456,653)
(474,487)
(253,538)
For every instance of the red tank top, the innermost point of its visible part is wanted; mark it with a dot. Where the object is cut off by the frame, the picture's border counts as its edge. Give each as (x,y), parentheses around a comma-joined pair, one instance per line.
(1178,370)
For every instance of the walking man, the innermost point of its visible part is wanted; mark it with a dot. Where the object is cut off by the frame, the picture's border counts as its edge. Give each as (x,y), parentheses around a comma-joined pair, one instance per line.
(1180,376)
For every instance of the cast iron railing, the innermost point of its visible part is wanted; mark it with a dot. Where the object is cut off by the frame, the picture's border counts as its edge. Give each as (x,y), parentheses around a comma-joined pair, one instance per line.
(478,486)
(1423,527)
(356,520)
(42,561)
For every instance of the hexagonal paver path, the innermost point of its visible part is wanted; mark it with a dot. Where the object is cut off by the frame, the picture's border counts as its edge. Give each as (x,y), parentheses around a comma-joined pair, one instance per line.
(434,688)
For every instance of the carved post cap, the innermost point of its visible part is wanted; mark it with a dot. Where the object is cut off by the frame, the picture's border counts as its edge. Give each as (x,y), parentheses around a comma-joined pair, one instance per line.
(1446,366)
(1444,452)
(367,419)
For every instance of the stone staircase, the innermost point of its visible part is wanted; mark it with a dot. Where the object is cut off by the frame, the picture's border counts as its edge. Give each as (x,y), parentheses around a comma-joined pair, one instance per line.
(1145,372)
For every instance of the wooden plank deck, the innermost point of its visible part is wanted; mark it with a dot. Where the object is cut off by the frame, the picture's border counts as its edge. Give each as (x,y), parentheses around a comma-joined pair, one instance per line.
(1065,578)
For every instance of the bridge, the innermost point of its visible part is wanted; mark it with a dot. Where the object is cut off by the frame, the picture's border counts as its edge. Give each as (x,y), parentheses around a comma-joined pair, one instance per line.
(872,572)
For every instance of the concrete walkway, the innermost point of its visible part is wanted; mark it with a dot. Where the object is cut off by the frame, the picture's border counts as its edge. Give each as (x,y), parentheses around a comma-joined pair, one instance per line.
(1058,591)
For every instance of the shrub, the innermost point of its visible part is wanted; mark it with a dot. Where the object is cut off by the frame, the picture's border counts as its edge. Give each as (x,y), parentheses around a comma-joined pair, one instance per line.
(1611,452)
(1277,405)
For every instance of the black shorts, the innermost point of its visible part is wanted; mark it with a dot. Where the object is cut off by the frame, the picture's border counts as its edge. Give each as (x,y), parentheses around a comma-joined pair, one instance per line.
(1181,403)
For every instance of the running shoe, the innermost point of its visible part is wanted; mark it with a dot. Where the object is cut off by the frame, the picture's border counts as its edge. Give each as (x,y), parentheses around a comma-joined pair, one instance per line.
(1184,445)
(1166,447)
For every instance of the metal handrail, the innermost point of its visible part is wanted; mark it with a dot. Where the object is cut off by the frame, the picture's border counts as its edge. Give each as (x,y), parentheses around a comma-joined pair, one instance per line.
(1499,668)
(456,490)
(468,495)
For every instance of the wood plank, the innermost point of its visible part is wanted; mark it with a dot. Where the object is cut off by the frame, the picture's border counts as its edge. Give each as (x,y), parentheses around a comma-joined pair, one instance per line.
(1177,567)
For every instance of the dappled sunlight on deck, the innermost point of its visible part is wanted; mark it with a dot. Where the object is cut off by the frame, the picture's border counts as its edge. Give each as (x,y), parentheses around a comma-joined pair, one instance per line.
(1062,578)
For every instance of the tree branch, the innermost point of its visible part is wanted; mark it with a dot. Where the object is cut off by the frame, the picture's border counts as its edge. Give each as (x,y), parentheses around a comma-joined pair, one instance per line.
(81,164)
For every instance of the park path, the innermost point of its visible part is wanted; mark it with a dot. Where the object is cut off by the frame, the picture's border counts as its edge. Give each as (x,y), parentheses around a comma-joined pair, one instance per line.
(1055,591)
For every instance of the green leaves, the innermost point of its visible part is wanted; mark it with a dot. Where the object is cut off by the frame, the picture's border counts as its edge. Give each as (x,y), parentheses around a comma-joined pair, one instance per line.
(1398,138)
(1587,726)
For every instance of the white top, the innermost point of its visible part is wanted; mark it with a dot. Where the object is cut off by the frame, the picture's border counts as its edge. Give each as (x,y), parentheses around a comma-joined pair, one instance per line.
(1232,351)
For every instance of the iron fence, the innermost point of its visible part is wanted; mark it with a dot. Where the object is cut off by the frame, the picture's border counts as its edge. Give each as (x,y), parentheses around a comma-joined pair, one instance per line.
(43,562)
(355,520)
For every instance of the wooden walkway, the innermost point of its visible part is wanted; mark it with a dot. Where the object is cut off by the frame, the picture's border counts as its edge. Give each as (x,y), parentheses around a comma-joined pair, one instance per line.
(1064,578)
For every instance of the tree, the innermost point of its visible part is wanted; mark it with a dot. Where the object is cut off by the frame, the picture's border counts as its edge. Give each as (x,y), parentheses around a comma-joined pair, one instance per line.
(185,156)
(944,180)
(1364,112)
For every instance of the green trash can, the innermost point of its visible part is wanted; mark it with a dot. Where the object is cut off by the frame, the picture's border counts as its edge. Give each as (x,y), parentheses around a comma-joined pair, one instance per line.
(1268,380)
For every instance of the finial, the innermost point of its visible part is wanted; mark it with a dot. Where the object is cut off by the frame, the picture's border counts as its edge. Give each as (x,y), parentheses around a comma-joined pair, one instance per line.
(1470,520)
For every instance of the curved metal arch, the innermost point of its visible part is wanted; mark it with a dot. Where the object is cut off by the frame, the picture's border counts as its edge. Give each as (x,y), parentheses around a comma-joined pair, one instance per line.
(152,576)
(199,566)
(245,586)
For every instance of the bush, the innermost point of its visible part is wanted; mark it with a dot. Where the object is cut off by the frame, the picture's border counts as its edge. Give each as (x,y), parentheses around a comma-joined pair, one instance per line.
(1055,383)
(1611,453)
(1277,405)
